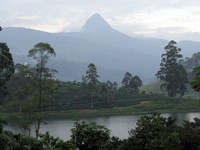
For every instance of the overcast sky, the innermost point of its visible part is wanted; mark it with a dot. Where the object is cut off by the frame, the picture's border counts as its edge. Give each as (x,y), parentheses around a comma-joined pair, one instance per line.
(169,19)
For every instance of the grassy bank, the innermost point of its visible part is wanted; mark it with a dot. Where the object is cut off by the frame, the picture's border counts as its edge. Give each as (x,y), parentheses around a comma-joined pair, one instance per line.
(184,105)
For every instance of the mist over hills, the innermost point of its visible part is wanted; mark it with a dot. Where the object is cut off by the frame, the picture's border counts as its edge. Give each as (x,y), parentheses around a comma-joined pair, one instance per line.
(113,52)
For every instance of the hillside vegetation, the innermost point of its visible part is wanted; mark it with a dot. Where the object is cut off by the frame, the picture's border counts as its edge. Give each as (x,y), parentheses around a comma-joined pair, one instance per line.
(155,89)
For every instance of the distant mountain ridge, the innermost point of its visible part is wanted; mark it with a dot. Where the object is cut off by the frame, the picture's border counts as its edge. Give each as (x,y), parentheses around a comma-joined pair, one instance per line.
(113,52)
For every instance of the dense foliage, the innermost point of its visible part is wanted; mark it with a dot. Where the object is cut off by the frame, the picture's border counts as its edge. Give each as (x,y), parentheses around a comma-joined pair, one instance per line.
(6,68)
(190,64)
(90,136)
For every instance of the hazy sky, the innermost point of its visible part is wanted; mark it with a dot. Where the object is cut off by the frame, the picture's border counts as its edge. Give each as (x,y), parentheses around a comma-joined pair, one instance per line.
(169,19)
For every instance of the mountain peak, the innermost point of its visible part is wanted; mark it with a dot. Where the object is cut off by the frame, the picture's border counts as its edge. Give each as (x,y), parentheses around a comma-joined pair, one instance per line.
(96,22)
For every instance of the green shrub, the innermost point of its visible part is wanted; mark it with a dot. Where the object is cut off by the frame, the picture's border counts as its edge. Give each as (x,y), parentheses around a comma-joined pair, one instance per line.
(90,136)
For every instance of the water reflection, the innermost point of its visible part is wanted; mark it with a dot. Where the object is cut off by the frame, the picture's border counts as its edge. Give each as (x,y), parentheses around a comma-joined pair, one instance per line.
(190,116)
(182,116)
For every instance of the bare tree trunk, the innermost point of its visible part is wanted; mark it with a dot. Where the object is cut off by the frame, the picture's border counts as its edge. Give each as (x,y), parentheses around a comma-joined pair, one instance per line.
(38,121)
(37,128)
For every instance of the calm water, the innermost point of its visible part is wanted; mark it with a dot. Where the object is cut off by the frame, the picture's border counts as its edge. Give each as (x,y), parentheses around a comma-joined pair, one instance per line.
(119,125)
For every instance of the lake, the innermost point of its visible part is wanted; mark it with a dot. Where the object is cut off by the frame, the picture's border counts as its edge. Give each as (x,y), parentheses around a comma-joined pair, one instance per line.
(118,125)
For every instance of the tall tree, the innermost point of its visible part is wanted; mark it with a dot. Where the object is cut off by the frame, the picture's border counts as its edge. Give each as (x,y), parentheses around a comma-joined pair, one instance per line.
(42,52)
(171,72)
(92,80)
(91,75)
(6,68)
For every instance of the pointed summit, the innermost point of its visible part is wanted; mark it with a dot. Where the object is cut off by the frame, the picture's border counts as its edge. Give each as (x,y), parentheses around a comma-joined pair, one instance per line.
(96,22)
